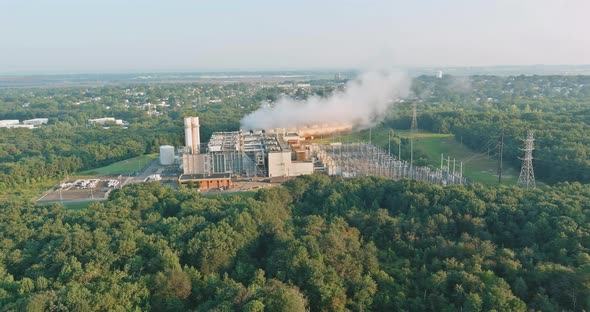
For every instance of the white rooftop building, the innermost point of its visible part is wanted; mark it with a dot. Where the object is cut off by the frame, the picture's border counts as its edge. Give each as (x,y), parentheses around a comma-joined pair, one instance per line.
(18,126)
(8,122)
(36,121)
(104,120)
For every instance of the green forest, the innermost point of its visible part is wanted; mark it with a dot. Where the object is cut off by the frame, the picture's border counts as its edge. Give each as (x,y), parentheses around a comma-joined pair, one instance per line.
(315,243)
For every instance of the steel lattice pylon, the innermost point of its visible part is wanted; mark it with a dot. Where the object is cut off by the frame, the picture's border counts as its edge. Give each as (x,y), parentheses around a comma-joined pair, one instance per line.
(527,175)
(414,126)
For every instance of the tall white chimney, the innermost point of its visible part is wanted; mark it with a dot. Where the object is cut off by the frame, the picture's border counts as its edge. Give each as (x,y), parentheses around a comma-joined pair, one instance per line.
(196,135)
(188,135)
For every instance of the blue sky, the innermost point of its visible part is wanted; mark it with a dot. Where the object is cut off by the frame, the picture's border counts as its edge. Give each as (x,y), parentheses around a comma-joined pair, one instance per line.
(133,35)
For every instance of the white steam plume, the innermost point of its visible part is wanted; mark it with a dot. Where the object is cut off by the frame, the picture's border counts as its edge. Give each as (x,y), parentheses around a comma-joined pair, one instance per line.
(362,104)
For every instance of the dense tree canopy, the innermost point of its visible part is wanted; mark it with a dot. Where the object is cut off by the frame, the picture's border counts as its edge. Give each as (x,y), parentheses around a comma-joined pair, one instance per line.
(361,244)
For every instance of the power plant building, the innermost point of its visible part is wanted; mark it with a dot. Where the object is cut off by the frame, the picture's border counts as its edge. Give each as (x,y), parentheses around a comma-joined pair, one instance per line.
(246,154)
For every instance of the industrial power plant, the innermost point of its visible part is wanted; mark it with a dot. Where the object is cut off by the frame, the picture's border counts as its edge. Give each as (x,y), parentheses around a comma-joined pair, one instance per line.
(280,152)
(244,154)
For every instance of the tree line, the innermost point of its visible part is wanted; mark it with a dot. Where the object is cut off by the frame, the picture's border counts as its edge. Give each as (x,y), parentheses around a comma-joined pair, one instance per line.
(315,243)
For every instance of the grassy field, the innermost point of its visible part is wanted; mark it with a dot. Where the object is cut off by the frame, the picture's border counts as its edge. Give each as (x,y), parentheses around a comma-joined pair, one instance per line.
(476,167)
(124,167)
(29,192)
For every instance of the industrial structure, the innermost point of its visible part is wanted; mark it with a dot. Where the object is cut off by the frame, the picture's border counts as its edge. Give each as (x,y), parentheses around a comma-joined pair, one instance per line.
(213,181)
(414,125)
(244,154)
(192,134)
(527,175)
(166,155)
(28,124)
(281,153)
(349,160)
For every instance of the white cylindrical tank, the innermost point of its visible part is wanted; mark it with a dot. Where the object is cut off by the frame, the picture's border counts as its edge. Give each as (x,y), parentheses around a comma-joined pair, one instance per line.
(166,155)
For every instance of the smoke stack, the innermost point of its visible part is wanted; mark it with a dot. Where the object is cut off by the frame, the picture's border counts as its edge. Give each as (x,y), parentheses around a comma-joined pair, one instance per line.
(192,138)
(188,135)
(196,136)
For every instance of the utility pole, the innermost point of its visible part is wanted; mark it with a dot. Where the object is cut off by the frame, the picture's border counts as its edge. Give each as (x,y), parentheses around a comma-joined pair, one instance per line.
(370,134)
(389,142)
(411,156)
(500,152)
(448,164)
(414,126)
(527,176)
(399,150)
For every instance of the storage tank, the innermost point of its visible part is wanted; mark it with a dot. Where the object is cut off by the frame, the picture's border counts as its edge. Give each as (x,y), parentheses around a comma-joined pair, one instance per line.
(166,155)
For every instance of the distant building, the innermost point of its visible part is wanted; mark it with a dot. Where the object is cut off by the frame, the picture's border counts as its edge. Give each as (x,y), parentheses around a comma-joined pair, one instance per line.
(439,74)
(211,181)
(36,121)
(8,122)
(104,120)
(18,126)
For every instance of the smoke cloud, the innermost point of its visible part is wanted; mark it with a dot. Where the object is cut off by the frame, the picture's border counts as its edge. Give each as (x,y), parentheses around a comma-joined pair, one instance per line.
(362,104)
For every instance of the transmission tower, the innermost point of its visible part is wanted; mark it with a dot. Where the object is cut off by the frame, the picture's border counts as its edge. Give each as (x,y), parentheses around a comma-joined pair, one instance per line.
(500,152)
(527,176)
(414,126)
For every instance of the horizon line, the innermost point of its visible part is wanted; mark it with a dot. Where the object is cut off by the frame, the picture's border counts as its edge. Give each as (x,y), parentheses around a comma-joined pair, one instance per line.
(265,70)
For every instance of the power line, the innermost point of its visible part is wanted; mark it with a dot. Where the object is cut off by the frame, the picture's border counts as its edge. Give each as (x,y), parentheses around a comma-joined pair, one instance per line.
(500,152)
(479,153)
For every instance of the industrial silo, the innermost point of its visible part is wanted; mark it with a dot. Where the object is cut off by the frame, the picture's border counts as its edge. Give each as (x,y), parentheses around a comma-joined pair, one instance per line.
(166,155)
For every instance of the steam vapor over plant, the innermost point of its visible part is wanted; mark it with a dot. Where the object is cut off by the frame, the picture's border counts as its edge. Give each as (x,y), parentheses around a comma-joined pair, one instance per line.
(362,104)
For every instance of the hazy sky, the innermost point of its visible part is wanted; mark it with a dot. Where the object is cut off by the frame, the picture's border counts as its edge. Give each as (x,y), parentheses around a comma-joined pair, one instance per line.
(120,35)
